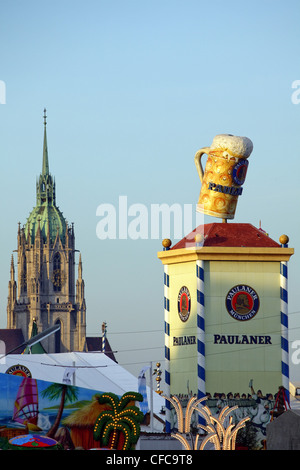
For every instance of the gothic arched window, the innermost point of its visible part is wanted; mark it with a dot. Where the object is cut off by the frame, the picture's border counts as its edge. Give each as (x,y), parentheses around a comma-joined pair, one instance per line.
(56,277)
(24,277)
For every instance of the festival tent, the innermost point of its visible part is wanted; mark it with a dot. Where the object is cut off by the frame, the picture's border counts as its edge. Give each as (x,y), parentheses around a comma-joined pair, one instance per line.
(94,371)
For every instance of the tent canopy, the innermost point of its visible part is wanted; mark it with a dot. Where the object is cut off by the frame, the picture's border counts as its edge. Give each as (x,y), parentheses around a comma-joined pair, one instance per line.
(94,371)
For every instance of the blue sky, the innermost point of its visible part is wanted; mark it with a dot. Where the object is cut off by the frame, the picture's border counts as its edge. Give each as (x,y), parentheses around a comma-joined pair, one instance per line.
(133,89)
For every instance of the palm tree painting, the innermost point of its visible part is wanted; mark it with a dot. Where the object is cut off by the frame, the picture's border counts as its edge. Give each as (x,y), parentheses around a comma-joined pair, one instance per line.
(66,394)
(119,427)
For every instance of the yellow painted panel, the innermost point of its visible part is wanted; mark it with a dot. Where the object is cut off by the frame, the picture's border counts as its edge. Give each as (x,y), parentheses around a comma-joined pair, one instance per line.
(228,367)
(183,358)
(226,382)
(230,362)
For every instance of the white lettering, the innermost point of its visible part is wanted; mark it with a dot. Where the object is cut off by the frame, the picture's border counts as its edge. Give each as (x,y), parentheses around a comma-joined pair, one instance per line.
(121,460)
(106,228)
(295,355)
(138,228)
(295,96)
(123,217)
(165,211)
(163,218)
(2,92)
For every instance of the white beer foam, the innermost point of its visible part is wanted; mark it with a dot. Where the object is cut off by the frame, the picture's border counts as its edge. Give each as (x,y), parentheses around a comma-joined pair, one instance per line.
(235,145)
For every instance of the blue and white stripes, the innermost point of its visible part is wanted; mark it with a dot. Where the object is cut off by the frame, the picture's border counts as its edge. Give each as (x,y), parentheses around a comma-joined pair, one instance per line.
(103,337)
(284,325)
(167,343)
(200,329)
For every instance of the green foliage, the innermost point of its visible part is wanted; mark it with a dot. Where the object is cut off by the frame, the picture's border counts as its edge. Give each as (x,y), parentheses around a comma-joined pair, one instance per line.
(4,445)
(66,393)
(120,419)
(55,391)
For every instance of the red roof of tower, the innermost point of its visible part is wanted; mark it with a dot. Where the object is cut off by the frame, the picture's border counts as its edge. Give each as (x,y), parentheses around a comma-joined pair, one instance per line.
(228,234)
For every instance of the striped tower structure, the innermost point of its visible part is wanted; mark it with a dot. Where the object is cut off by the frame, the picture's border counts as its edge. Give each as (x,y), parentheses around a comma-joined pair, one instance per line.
(200,325)
(103,336)
(166,246)
(284,319)
(234,259)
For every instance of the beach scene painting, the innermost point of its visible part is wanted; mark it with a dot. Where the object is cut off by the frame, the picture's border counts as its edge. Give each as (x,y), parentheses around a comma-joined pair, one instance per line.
(36,413)
(29,406)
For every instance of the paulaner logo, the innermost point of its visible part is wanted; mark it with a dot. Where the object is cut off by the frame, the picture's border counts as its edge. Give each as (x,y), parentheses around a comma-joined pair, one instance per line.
(242,302)
(184,304)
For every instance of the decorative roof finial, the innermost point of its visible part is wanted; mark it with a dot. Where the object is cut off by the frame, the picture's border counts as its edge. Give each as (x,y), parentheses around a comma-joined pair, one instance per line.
(45,170)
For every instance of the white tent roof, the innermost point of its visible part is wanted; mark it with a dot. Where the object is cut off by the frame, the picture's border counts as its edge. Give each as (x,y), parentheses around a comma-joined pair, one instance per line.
(94,371)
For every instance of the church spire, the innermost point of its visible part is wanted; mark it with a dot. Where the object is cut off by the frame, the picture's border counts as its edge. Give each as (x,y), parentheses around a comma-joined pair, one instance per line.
(80,268)
(46,211)
(12,269)
(45,170)
(45,183)
(80,285)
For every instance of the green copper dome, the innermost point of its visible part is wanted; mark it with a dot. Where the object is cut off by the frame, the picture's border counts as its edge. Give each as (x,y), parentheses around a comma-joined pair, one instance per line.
(45,216)
(49,220)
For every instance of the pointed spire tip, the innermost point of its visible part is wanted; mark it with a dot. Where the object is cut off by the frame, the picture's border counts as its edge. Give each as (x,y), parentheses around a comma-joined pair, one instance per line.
(45,168)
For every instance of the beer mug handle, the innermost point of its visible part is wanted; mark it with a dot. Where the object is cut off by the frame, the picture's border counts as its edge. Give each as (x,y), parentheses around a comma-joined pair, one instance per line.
(198,161)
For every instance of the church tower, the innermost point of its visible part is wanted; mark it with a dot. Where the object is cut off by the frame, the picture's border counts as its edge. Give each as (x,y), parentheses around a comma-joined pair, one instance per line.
(46,290)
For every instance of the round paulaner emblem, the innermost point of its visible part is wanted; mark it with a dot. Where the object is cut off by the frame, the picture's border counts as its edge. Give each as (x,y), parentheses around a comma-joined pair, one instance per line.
(184,303)
(242,302)
(18,369)
(239,172)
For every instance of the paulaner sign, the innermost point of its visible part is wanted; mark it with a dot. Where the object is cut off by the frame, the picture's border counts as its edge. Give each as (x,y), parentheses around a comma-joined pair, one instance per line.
(242,339)
(225,189)
(183,340)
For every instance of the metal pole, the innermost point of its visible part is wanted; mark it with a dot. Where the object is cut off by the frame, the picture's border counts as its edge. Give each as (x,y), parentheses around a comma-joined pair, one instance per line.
(167,244)
(284,319)
(151,399)
(74,379)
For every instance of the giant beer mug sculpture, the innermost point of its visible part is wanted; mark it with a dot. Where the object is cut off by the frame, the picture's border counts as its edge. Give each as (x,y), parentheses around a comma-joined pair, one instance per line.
(224,174)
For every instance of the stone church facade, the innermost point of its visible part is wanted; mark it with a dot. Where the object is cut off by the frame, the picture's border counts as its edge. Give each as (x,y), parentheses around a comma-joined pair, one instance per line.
(44,289)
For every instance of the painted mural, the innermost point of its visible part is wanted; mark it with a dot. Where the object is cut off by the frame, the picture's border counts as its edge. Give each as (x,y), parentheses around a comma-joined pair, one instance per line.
(256,407)
(39,414)
(36,413)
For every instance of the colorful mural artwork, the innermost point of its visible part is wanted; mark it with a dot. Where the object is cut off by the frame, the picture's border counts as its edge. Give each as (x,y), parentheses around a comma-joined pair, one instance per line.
(35,413)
